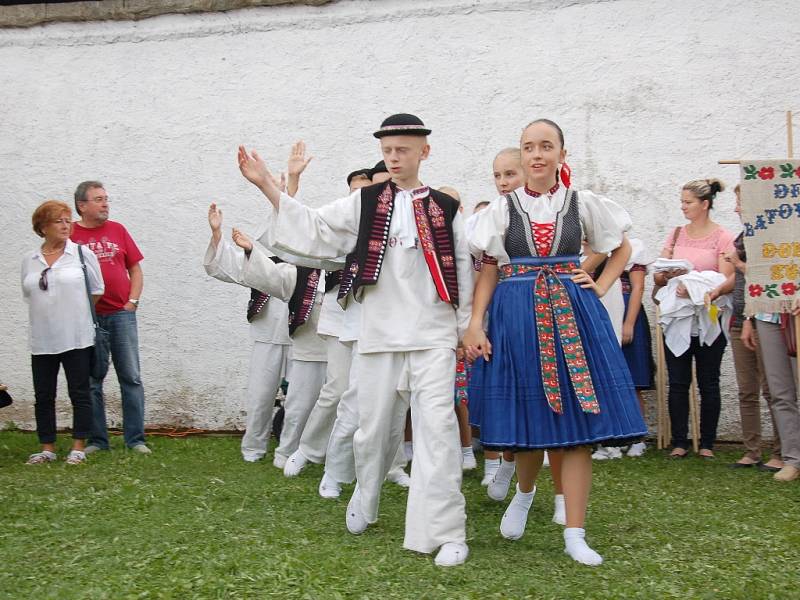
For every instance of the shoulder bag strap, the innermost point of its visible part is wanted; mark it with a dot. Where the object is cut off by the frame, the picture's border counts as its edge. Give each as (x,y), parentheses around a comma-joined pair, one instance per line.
(86,282)
(674,241)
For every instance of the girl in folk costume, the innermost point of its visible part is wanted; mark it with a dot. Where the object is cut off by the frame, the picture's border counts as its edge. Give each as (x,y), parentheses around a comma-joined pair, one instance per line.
(551,373)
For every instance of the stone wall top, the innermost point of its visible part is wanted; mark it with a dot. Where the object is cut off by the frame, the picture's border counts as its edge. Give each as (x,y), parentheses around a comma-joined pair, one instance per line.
(29,15)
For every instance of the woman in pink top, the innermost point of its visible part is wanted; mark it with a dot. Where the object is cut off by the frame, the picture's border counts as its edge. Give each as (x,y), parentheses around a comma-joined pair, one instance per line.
(704,243)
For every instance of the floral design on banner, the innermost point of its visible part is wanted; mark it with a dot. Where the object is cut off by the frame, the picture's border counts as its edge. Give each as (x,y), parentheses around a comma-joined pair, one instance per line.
(789,288)
(755,290)
(553,311)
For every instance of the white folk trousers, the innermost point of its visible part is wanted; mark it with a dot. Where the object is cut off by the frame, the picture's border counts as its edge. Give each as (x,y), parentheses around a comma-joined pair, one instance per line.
(266,371)
(387,383)
(317,432)
(305,381)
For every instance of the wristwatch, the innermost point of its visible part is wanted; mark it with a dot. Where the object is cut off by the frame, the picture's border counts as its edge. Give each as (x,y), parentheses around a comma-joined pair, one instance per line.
(134,301)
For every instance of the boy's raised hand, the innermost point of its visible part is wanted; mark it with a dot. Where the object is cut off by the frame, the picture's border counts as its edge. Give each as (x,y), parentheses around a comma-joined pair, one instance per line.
(214,217)
(298,162)
(241,240)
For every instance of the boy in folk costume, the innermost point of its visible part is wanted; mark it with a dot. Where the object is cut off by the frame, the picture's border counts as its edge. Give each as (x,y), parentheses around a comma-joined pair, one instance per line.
(411,272)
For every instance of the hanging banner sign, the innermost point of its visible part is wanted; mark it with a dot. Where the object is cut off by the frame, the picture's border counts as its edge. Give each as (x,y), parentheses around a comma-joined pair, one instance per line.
(770,198)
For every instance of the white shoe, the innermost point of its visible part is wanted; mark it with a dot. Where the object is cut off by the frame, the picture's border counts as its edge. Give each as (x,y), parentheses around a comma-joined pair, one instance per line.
(294,464)
(498,488)
(468,462)
(578,549)
(329,487)
(91,449)
(546,460)
(490,466)
(399,477)
(356,523)
(279,461)
(142,449)
(607,453)
(559,510)
(451,554)
(251,458)
(637,449)
(512,525)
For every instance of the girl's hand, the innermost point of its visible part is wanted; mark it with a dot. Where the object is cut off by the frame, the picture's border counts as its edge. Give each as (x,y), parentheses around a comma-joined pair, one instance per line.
(214,217)
(627,333)
(241,240)
(681,291)
(583,279)
(477,344)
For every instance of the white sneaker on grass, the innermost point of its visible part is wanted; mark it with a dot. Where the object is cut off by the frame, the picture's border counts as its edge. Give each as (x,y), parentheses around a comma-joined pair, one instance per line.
(91,449)
(637,449)
(141,449)
(354,519)
(490,466)
(329,487)
(451,554)
(294,464)
(399,477)
(512,525)
(607,453)
(498,488)
(279,461)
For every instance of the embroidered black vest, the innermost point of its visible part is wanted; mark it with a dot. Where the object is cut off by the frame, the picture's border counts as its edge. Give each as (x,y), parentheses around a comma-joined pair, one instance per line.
(434,216)
(258,299)
(302,301)
(568,233)
(332,279)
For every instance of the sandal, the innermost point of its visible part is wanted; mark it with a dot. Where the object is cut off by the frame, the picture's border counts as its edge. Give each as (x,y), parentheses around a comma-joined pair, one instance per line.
(76,457)
(706,453)
(679,453)
(40,458)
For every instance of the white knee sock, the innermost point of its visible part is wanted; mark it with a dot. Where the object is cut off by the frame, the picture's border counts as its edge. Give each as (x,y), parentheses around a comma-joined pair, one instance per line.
(559,510)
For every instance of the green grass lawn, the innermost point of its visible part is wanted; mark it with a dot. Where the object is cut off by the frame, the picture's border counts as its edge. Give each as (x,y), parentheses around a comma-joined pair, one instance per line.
(194,521)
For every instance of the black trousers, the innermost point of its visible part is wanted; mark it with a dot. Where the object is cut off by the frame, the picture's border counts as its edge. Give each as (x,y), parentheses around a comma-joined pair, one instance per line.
(707,360)
(45,380)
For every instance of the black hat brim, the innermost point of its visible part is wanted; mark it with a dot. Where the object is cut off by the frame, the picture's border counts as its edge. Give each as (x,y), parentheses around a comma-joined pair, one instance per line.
(415,131)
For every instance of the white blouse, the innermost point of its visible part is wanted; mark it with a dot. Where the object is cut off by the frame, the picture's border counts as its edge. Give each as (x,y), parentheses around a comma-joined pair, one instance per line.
(60,318)
(603,221)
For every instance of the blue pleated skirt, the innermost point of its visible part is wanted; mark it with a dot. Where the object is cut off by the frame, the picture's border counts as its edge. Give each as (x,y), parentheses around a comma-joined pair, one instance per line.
(639,354)
(506,396)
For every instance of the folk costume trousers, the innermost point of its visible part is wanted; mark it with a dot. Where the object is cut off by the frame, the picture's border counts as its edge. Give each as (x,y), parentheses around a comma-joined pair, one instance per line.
(340,462)
(306,378)
(317,432)
(387,383)
(267,363)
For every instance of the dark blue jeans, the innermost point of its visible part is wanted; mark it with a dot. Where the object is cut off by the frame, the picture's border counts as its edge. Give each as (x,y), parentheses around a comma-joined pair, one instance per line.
(124,341)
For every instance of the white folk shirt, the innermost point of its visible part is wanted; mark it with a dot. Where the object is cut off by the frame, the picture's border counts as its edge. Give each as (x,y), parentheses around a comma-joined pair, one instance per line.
(271,325)
(331,318)
(603,221)
(402,312)
(60,317)
(279,281)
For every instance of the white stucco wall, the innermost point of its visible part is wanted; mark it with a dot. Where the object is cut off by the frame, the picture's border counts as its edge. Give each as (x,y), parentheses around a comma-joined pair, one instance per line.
(649,94)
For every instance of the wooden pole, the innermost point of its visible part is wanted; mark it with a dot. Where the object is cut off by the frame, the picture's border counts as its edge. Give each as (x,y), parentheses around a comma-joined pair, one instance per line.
(694,413)
(662,434)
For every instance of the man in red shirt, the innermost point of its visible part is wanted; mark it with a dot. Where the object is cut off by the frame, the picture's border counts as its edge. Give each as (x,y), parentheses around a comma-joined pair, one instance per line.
(119,259)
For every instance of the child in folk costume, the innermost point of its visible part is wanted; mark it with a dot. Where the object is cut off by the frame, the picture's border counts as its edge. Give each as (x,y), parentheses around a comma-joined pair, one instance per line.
(411,272)
(553,375)
(275,323)
(636,342)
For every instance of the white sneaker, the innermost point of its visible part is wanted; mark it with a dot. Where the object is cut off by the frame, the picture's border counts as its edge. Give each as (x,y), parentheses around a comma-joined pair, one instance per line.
(91,449)
(468,462)
(356,523)
(251,458)
(512,525)
(637,449)
(614,452)
(490,466)
(607,453)
(329,487)
(142,449)
(399,477)
(559,510)
(294,464)
(498,488)
(279,461)
(451,554)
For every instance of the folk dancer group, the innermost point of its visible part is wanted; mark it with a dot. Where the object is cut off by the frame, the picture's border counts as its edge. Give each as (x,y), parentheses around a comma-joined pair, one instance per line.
(367,301)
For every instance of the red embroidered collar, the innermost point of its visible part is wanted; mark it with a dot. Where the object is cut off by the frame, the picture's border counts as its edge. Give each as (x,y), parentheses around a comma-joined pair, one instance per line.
(550,192)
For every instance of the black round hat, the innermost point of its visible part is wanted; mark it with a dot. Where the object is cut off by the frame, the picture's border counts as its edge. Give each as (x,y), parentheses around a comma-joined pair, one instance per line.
(402,124)
(380,167)
(365,172)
